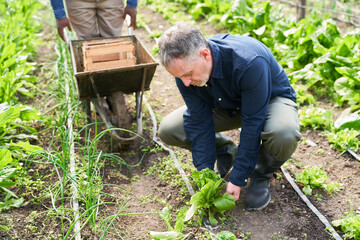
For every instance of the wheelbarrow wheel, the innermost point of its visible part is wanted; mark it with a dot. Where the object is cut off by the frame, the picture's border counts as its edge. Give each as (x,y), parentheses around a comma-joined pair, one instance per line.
(121,117)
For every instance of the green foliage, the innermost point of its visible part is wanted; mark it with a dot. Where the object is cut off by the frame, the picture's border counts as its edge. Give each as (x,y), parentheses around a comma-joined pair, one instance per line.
(173,233)
(315,118)
(7,180)
(314,177)
(349,224)
(350,121)
(208,199)
(344,138)
(18,44)
(225,235)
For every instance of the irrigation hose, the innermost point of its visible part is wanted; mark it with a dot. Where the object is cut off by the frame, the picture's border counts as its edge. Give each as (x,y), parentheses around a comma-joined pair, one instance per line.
(75,201)
(310,205)
(171,152)
(353,154)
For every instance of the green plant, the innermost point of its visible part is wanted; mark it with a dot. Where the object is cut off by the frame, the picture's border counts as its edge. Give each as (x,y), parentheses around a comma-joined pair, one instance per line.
(344,138)
(349,224)
(225,235)
(315,118)
(314,177)
(174,233)
(208,199)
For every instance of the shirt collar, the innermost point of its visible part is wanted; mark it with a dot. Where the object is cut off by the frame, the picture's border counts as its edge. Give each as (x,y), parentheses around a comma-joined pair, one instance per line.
(217,63)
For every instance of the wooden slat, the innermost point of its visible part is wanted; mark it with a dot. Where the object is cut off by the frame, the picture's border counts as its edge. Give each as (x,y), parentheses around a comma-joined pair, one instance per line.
(106,45)
(111,64)
(102,42)
(106,57)
(108,50)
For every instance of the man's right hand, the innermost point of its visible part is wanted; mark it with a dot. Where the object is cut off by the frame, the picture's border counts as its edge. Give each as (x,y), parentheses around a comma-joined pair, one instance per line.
(233,190)
(62,23)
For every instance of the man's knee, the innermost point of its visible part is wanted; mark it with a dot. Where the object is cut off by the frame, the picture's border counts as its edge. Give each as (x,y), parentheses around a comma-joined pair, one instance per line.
(283,142)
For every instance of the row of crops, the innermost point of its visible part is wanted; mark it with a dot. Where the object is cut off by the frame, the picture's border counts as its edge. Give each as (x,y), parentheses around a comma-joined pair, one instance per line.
(321,62)
(36,148)
(18,46)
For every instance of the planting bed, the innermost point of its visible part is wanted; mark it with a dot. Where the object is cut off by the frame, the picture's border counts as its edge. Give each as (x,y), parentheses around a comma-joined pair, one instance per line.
(146,190)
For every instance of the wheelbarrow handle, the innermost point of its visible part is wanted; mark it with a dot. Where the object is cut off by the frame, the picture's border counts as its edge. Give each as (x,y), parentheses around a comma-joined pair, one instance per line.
(67,38)
(128,22)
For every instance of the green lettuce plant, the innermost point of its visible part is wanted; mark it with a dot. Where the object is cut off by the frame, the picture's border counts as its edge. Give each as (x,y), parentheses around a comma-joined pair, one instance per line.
(314,177)
(208,200)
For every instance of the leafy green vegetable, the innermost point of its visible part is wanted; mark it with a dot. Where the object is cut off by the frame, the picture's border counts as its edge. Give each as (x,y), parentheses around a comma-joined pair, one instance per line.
(173,233)
(315,118)
(350,225)
(168,235)
(344,138)
(314,177)
(209,199)
(225,235)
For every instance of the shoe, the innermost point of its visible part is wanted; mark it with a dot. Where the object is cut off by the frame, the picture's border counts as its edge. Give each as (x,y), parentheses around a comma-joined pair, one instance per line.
(257,195)
(225,158)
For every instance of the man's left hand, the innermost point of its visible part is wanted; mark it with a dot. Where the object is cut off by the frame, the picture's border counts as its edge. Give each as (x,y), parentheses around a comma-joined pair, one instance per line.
(233,190)
(131,11)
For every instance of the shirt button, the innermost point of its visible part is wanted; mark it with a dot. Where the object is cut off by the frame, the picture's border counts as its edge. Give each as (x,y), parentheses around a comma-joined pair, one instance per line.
(219,99)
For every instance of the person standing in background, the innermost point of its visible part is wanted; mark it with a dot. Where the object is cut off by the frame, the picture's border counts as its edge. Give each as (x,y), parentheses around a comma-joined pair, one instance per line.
(93,18)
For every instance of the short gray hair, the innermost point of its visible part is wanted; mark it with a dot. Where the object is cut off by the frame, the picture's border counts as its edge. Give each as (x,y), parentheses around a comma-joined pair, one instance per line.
(180,41)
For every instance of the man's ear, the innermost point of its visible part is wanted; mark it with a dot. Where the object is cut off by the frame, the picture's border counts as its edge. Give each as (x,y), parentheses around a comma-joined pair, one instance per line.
(205,53)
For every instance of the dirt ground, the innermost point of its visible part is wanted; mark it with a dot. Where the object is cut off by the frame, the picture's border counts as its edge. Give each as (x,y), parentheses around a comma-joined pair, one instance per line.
(286,217)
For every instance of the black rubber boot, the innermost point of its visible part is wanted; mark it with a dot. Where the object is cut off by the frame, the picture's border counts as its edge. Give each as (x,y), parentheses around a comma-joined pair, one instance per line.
(225,153)
(257,195)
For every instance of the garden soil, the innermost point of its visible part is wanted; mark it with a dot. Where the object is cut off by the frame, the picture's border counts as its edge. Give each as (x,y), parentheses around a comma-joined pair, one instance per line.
(286,217)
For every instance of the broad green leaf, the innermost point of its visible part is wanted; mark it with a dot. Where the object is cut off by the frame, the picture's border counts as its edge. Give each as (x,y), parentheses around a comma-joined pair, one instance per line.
(6,174)
(27,146)
(224,202)
(5,158)
(165,215)
(7,184)
(348,121)
(168,235)
(212,219)
(180,219)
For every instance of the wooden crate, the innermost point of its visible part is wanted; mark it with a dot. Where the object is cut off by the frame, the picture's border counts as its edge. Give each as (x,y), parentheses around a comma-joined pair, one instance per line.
(108,54)
(127,79)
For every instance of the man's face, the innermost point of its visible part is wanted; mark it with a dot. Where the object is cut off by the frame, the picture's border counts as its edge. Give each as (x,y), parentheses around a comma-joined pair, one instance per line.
(195,71)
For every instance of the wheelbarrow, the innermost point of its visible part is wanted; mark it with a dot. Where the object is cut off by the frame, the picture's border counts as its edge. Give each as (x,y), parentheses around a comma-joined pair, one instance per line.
(114,82)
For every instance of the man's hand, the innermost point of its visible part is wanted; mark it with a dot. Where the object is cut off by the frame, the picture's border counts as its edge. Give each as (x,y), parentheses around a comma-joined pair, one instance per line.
(131,11)
(233,190)
(62,23)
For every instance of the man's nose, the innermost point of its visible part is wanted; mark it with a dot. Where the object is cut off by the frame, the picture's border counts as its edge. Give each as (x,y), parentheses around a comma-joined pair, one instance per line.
(186,81)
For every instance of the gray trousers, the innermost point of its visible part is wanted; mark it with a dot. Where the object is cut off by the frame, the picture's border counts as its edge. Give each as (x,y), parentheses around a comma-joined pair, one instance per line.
(279,136)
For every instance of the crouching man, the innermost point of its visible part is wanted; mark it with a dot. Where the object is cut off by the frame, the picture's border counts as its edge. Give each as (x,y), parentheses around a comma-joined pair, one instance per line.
(230,82)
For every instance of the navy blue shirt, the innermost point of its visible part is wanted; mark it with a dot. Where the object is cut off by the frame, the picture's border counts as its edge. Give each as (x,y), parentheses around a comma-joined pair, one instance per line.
(59,11)
(245,76)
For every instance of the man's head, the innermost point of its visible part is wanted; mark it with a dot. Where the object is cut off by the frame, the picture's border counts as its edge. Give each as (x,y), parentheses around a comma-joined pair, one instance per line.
(186,54)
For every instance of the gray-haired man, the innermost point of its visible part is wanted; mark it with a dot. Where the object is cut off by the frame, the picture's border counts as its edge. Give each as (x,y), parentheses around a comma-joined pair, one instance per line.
(228,82)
